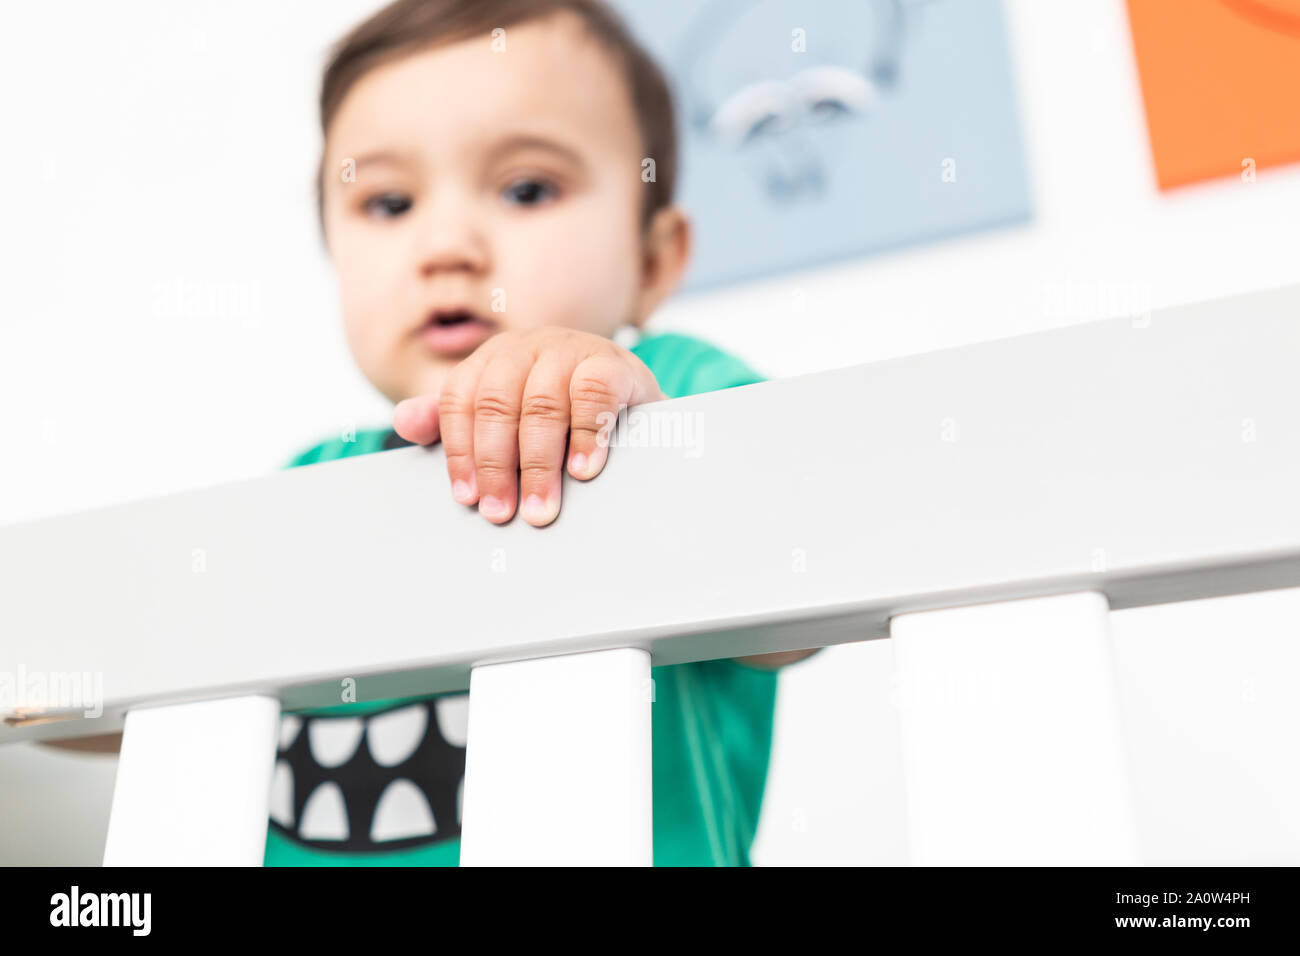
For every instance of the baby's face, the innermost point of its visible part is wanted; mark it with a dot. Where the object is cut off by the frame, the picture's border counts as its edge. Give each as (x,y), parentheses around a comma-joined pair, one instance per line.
(503,184)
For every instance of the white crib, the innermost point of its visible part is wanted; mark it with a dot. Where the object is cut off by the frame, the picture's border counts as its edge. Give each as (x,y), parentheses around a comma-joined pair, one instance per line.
(984,507)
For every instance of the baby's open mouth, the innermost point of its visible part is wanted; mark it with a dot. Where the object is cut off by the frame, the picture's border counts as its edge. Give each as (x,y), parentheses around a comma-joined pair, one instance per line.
(453,318)
(454,333)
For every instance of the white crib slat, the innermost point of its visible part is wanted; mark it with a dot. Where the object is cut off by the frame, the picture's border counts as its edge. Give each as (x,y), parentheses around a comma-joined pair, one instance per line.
(1013,750)
(558,763)
(193,784)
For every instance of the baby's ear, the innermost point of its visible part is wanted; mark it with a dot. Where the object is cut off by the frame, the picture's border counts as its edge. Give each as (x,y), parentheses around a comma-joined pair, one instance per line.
(666,253)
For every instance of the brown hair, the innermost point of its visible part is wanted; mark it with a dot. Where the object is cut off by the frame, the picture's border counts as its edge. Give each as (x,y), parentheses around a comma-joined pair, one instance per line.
(408,26)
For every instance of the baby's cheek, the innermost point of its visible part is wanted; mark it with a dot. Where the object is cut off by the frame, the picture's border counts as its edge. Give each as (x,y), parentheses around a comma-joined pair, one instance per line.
(582,284)
(359,309)
(611,271)
(370,308)
(371,339)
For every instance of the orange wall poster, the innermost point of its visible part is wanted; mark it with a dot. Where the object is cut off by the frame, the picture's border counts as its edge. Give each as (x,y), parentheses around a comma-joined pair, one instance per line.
(1221,82)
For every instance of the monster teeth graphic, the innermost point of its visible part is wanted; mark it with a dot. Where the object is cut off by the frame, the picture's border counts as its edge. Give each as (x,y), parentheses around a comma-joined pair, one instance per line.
(379,782)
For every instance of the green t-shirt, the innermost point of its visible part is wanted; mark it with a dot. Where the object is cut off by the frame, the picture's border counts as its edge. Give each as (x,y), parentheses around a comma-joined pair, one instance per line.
(380,783)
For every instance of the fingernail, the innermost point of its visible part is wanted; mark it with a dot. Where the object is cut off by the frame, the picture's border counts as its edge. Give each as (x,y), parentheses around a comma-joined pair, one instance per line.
(578,464)
(460,490)
(537,510)
(491,506)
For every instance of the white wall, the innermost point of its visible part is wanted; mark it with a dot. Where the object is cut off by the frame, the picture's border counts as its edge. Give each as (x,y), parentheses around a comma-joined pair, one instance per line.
(168,322)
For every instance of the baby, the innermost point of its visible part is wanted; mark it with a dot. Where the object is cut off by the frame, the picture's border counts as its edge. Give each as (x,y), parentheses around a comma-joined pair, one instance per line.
(496,196)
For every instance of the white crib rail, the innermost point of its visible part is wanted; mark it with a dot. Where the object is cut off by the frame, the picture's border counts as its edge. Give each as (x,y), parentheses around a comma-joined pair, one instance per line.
(1143,461)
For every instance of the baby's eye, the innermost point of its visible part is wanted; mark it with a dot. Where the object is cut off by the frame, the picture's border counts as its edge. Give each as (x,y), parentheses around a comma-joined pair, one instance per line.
(388,205)
(530,192)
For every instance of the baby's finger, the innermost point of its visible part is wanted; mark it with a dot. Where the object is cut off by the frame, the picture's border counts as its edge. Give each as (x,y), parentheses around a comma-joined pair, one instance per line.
(416,419)
(456,422)
(600,387)
(496,432)
(543,433)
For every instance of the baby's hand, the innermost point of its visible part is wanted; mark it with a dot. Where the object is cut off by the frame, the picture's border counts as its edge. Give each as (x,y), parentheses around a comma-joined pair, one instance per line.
(509,407)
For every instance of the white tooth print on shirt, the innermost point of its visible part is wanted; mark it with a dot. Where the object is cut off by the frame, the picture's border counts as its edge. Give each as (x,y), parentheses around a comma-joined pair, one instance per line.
(282,794)
(324,817)
(395,735)
(453,718)
(334,741)
(402,812)
(290,724)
